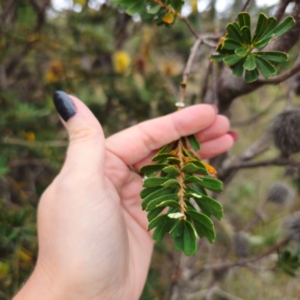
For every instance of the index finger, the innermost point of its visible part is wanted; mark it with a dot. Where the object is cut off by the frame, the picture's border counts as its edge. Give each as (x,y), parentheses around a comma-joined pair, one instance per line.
(135,143)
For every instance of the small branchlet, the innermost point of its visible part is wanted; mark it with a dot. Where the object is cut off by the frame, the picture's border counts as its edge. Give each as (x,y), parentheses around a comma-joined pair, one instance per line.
(178,176)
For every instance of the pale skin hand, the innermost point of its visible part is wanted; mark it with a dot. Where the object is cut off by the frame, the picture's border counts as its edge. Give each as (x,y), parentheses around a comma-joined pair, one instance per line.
(93,238)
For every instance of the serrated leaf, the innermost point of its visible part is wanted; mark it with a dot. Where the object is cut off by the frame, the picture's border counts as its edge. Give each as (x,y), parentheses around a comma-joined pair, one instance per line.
(194,169)
(267,70)
(171,170)
(274,56)
(154,213)
(238,70)
(232,59)
(189,239)
(136,7)
(176,215)
(233,33)
(154,181)
(231,44)
(170,203)
(150,169)
(241,51)
(156,194)
(251,76)
(283,27)
(249,63)
(177,229)
(216,58)
(246,35)
(194,142)
(244,19)
(203,225)
(260,28)
(162,229)
(155,202)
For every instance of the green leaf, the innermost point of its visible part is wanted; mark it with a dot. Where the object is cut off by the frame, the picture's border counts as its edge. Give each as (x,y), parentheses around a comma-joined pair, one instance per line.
(194,142)
(162,156)
(177,229)
(265,67)
(159,220)
(170,203)
(136,7)
(232,59)
(153,9)
(206,182)
(283,27)
(241,51)
(231,44)
(147,191)
(210,206)
(233,33)
(216,58)
(194,169)
(204,226)
(177,4)
(164,149)
(263,42)
(272,22)
(249,63)
(260,28)
(162,229)
(176,215)
(155,202)
(172,183)
(246,35)
(244,19)
(189,239)
(178,243)
(251,76)
(155,181)
(238,70)
(150,169)
(274,56)
(171,170)
(154,213)
(155,194)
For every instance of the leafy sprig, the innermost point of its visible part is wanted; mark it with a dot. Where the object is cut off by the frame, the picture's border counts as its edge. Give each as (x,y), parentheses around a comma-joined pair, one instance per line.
(159,11)
(239,49)
(175,196)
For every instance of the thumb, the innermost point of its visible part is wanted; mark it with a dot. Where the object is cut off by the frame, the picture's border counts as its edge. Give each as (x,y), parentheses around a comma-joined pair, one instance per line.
(85,154)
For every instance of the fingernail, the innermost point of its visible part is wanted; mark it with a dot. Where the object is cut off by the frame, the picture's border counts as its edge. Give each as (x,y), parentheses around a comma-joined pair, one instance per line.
(64,105)
(234,135)
(215,107)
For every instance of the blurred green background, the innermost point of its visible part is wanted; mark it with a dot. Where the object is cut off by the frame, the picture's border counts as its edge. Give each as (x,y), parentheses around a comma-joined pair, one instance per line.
(128,71)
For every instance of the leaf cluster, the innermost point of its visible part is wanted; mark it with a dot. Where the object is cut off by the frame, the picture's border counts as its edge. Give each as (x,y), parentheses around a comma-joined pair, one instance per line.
(175,196)
(159,11)
(240,50)
(288,262)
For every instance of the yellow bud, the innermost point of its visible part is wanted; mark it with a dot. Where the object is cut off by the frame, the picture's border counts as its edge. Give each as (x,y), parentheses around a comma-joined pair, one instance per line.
(168,18)
(121,61)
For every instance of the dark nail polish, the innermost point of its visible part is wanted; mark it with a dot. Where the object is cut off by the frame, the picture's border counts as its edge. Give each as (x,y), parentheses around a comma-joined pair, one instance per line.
(64,105)
(234,135)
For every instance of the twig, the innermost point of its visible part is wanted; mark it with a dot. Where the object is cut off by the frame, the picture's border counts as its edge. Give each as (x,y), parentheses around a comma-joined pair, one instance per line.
(246,5)
(284,76)
(281,9)
(187,70)
(189,25)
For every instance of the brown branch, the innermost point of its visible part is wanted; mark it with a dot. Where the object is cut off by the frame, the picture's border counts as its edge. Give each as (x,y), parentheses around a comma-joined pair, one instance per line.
(282,77)
(246,5)
(187,70)
(281,9)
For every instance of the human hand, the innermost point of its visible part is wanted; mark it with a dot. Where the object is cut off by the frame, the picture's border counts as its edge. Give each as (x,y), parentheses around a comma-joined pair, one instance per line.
(93,238)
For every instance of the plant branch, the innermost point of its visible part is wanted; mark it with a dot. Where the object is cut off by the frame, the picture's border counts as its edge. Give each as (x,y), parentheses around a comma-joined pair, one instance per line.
(281,9)
(187,70)
(246,5)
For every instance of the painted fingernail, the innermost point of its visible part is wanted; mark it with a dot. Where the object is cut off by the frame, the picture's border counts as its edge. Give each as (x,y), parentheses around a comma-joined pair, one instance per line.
(215,107)
(234,135)
(64,105)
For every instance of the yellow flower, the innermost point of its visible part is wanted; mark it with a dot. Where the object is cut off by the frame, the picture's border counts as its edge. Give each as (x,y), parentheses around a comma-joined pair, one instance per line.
(121,61)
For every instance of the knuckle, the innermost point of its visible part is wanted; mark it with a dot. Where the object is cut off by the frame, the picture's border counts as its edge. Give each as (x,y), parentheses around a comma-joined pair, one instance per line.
(83,133)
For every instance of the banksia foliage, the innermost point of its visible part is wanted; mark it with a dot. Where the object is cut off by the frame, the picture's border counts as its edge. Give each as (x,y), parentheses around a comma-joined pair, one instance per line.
(175,197)
(281,194)
(241,244)
(286,132)
(292,227)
